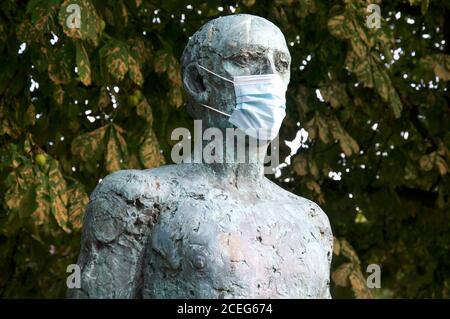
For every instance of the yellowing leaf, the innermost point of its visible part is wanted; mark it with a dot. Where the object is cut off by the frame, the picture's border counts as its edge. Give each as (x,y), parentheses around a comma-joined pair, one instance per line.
(135,71)
(40,192)
(313,186)
(139,50)
(311,127)
(41,214)
(116,59)
(42,14)
(361,68)
(313,169)
(104,98)
(300,165)
(426,161)
(340,275)
(173,73)
(78,200)
(382,82)
(335,94)
(359,48)
(440,64)
(248,3)
(60,64)
(176,96)
(348,251)
(58,95)
(322,128)
(340,26)
(395,103)
(22,194)
(161,62)
(116,149)
(149,152)
(359,285)
(89,144)
(83,64)
(79,20)
(441,165)
(58,196)
(144,110)
(336,246)
(106,141)
(348,145)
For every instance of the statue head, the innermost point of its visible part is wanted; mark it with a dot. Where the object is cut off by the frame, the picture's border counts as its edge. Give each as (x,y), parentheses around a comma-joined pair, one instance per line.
(233,45)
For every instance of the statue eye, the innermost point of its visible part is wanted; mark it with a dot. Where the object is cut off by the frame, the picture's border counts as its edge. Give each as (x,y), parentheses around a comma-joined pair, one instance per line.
(242,59)
(281,62)
(283,66)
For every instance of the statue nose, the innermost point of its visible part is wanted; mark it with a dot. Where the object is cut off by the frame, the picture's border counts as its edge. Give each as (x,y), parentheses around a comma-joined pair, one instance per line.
(269,67)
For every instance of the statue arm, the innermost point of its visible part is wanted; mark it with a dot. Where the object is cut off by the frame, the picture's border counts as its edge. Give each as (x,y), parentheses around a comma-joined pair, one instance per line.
(327,238)
(320,219)
(116,229)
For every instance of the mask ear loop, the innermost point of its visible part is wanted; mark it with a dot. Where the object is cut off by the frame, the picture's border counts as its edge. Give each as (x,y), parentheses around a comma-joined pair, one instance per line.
(223,78)
(209,107)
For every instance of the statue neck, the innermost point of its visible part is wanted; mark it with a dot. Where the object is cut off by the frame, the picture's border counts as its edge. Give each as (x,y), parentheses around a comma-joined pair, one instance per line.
(237,172)
(230,155)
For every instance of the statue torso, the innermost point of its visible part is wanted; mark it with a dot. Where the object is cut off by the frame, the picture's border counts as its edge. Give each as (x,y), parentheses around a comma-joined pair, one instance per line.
(250,240)
(179,231)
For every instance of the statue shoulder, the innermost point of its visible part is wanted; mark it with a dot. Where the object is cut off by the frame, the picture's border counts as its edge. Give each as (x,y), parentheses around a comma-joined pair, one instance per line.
(317,214)
(117,224)
(132,184)
(320,220)
(126,201)
(313,212)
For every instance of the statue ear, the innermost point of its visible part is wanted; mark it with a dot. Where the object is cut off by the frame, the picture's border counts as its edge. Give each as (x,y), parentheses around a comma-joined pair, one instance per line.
(194,84)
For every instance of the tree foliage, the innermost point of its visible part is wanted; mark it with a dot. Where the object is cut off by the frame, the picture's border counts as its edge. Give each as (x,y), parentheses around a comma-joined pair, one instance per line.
(79,103)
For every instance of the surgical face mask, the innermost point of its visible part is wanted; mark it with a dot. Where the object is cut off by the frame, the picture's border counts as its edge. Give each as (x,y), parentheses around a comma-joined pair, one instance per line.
(260,104)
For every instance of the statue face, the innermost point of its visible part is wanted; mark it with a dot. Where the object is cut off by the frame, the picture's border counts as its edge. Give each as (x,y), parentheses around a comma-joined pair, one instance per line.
(232,46)
(254,46)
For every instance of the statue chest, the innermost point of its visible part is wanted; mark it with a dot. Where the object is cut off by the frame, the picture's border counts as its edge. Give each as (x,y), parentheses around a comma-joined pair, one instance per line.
(220,247)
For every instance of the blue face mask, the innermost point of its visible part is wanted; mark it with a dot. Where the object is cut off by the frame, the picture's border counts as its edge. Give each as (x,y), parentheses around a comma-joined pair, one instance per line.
(260,104)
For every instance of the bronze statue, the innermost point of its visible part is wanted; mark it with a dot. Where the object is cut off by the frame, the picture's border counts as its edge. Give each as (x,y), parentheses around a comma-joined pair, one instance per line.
(198,230)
